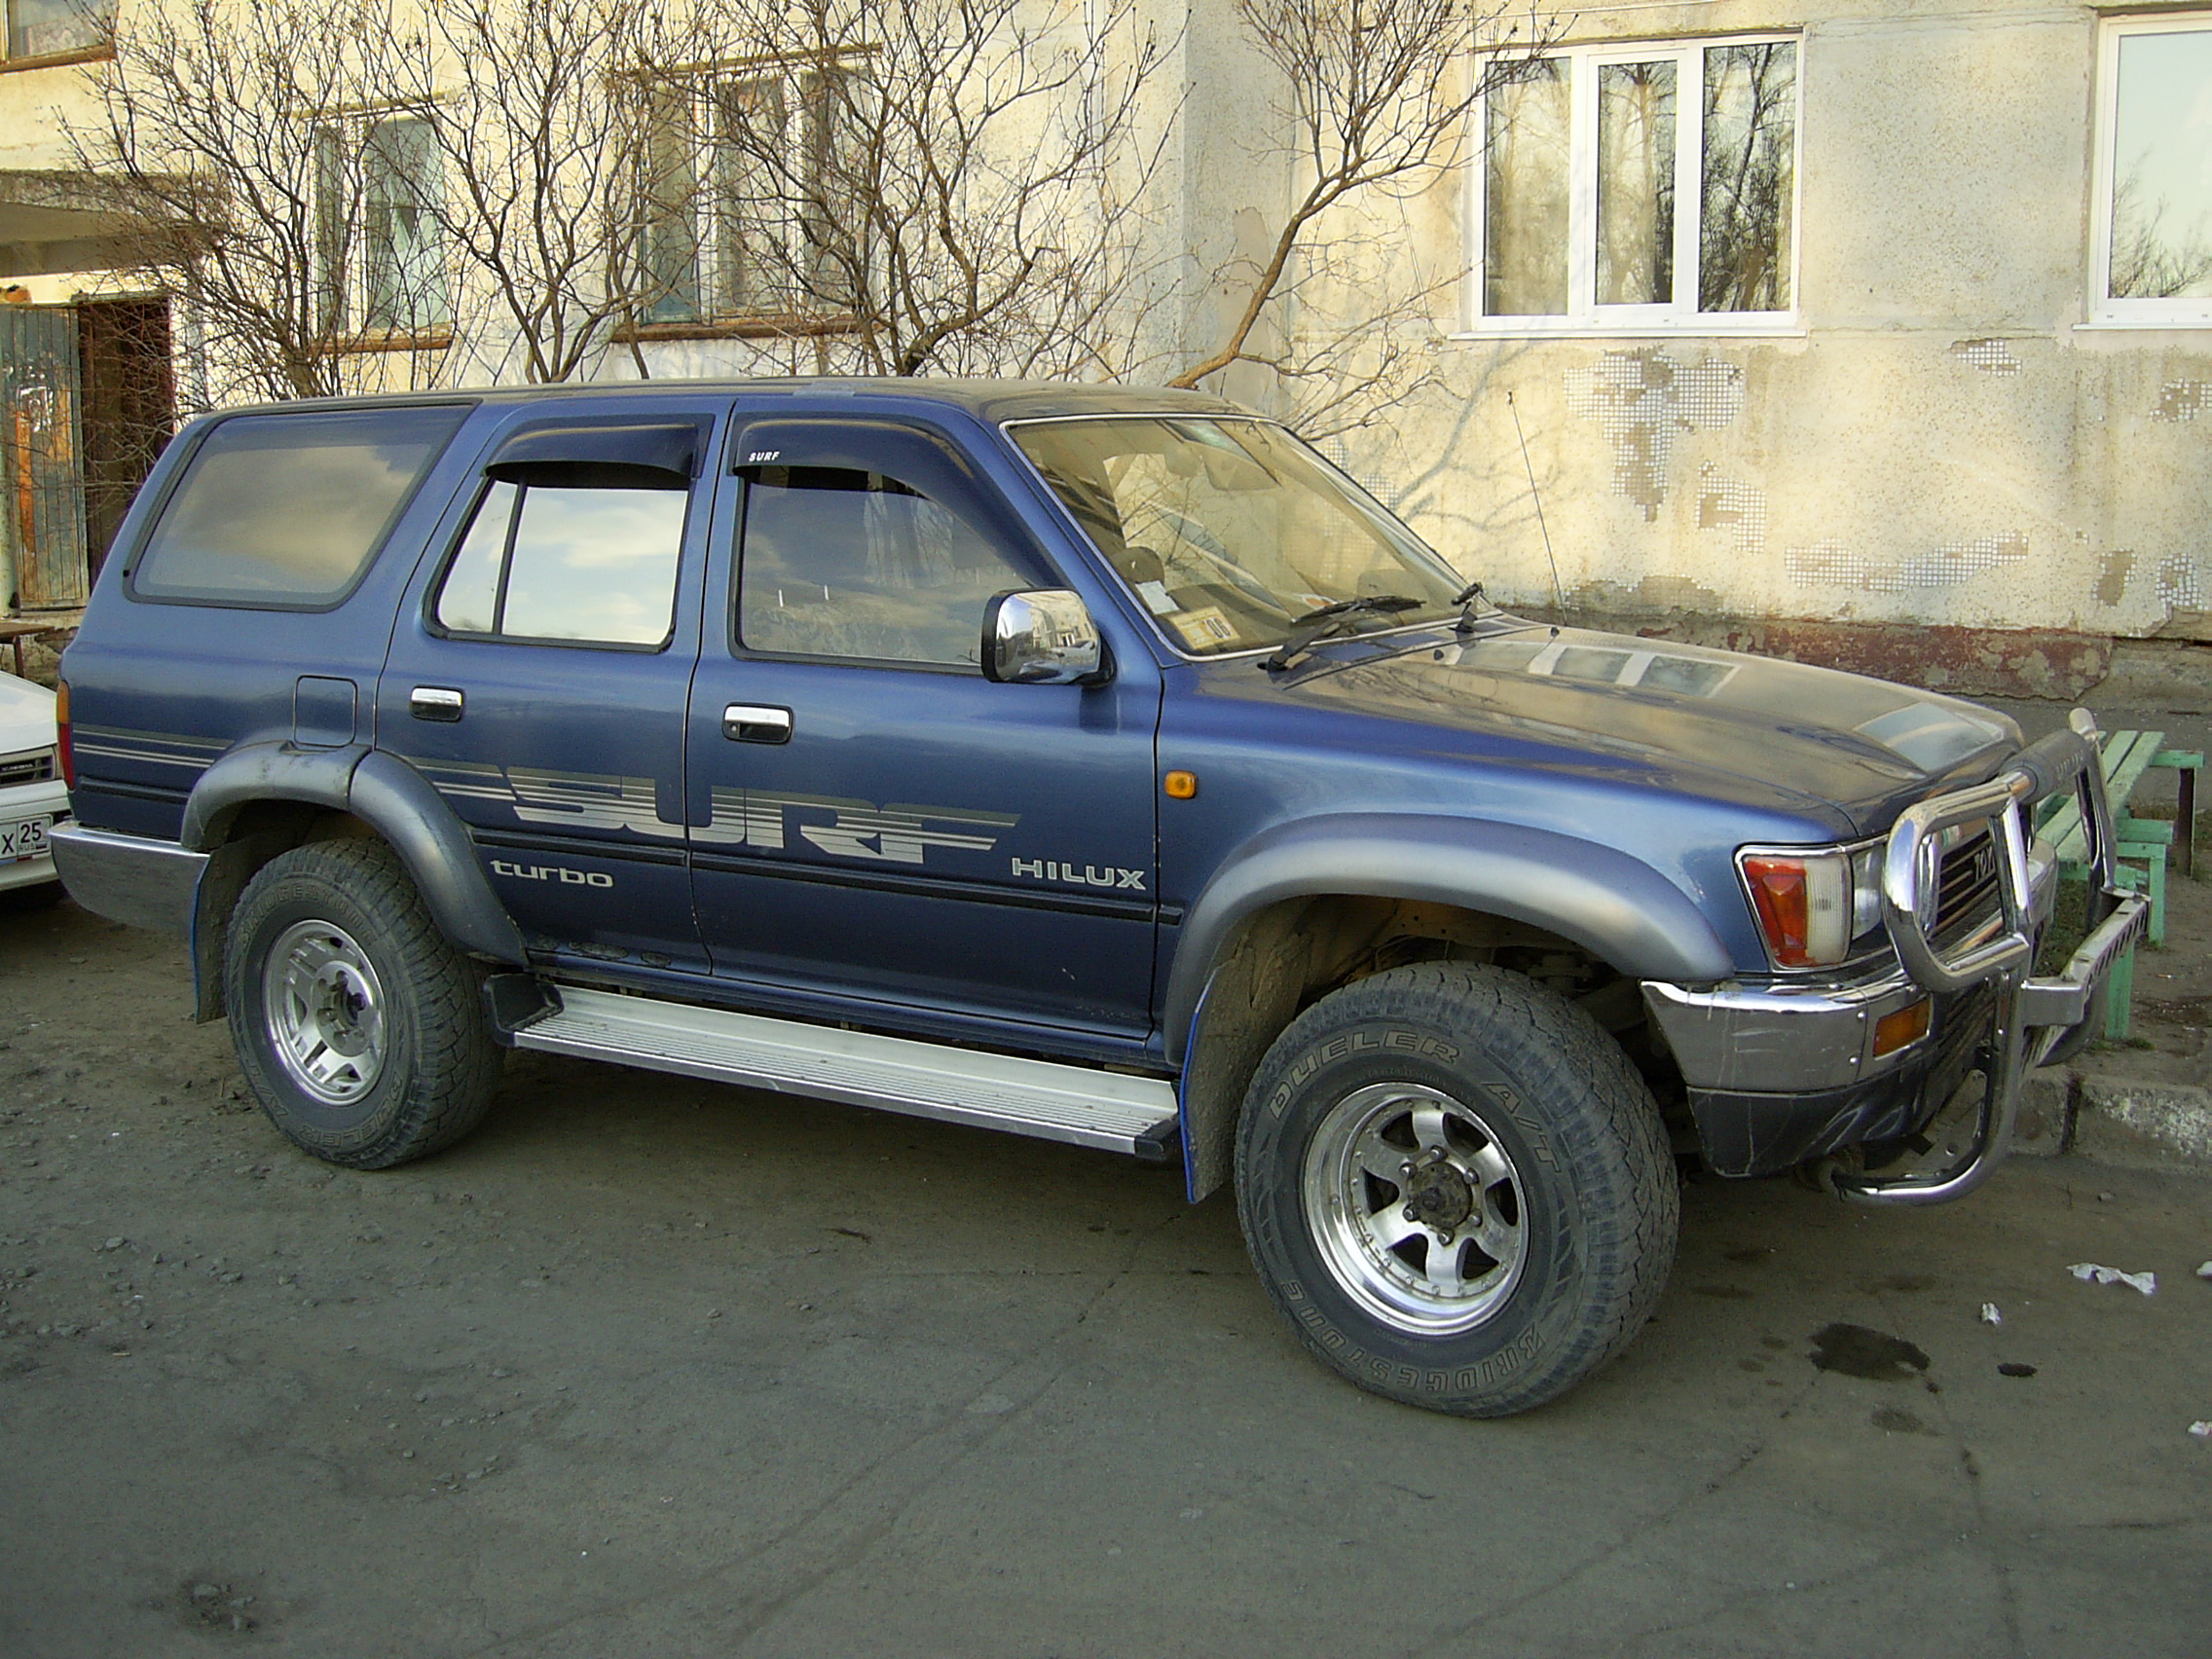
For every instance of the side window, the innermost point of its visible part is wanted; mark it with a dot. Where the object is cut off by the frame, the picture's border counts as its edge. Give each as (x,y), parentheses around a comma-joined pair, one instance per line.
(563,563)
(842,563)
(286,511)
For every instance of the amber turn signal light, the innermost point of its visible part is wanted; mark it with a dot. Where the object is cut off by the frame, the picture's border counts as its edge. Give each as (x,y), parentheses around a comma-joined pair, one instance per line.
(1181,785)
(1893,1031)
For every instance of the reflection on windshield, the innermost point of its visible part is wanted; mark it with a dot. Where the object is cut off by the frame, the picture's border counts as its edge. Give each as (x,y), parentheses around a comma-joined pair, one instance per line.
(1230,531)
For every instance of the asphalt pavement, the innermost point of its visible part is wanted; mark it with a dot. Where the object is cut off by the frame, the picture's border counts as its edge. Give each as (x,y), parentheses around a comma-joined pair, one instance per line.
(654,1368)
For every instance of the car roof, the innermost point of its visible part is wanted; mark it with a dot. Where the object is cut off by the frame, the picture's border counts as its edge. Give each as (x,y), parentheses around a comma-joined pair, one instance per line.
(988,400)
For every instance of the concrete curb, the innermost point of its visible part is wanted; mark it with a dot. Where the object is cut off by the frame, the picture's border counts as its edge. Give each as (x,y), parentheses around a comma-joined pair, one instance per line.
(2123,1121)
(2045,1127)
(2114,1120)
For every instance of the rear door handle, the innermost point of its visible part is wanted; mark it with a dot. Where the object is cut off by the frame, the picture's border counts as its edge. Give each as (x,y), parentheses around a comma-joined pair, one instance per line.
(753,722)
(435,703)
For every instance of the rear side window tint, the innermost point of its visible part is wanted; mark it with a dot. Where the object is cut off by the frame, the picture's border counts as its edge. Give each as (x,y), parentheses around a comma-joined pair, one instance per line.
(287,511)
(558,563)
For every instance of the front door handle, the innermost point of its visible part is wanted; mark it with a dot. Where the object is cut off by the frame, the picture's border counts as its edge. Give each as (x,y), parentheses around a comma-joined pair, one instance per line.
(435,703)
(753,722)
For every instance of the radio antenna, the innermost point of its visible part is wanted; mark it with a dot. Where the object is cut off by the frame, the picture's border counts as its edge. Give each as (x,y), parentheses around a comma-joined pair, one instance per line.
(1559,599)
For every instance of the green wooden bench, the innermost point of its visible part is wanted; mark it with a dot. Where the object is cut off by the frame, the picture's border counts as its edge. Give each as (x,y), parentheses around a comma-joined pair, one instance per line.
(2141,845)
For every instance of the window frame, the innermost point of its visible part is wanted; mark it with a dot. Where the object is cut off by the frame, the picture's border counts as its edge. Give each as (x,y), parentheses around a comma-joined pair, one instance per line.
(100,47)
(709,221)
(1584,318)
(2101,309)
(343,256)
(434,590)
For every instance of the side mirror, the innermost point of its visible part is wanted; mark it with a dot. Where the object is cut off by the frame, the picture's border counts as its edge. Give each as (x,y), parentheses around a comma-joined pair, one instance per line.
(1043,636)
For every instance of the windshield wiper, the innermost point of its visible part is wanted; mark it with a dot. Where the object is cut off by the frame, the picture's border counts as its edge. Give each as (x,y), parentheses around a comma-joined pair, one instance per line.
(1324,620)
(1467,599)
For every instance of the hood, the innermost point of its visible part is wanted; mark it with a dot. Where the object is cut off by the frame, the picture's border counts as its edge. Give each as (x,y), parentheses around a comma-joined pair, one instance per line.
(1750,728)
(27,715)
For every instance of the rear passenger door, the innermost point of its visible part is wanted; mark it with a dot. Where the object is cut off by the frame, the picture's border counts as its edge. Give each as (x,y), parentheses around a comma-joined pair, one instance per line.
(538,676)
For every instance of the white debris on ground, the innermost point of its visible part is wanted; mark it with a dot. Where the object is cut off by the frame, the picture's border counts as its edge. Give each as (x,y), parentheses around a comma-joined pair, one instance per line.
(2202,1430)
(1990,1316)
(2087,1272)
(2204,1269)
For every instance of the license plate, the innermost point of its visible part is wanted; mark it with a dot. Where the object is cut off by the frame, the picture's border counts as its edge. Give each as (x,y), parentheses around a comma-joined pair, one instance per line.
(22,839)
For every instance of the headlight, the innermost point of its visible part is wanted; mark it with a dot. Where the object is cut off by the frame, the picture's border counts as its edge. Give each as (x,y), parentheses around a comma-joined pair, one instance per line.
(1866,889)
(1803,903)
(1815,906)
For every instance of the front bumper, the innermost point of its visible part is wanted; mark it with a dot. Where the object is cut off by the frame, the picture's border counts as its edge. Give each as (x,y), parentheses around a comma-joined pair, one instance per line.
(1782,1073)
(1777,1079)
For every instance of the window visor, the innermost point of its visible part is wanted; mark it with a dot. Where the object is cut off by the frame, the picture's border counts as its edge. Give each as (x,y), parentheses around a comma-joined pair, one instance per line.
(661,455)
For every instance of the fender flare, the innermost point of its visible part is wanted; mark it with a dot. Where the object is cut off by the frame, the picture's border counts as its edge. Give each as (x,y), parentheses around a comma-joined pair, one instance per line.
(393,800)
(1615,906)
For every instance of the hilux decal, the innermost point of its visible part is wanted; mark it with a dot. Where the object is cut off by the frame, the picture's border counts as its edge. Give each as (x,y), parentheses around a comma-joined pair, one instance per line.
(1089,876)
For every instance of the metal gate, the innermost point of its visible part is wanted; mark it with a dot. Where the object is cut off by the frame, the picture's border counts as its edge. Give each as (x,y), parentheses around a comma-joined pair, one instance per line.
(41,456)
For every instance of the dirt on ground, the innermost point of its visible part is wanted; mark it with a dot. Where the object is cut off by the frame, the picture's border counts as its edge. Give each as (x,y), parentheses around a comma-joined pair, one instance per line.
(649,1367)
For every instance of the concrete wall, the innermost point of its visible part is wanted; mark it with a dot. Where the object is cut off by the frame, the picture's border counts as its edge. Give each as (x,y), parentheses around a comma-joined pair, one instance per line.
(1942,442)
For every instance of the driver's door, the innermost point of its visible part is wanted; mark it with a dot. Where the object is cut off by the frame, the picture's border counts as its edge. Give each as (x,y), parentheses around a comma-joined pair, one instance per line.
(869,815)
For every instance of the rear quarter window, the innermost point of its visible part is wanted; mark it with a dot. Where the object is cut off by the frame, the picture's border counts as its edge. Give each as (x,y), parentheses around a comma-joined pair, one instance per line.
(286,511)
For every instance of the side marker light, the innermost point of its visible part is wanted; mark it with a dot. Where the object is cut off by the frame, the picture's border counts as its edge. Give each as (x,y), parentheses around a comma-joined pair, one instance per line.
(1893,1031)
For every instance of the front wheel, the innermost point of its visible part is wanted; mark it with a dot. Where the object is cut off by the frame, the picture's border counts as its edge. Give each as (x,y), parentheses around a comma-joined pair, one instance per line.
(1456,1188)
(358,1027)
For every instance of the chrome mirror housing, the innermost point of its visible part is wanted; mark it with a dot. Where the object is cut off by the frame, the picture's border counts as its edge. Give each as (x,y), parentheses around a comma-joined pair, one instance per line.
(1043,636)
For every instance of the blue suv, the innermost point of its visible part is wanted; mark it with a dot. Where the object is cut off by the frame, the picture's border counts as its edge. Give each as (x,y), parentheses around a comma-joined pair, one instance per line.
(1094,763)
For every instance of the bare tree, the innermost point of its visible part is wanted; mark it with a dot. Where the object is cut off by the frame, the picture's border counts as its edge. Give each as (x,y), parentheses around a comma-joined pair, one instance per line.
(540,112)
(1376,101)
(2151,259)
(945,186)
(214,141)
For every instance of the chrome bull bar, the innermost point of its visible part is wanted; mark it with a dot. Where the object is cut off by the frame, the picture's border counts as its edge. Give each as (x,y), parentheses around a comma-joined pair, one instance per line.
(2033,1016)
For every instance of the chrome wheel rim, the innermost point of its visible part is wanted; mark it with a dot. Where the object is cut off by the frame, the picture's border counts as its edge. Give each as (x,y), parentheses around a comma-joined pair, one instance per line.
(1417,1207)
(324,1008)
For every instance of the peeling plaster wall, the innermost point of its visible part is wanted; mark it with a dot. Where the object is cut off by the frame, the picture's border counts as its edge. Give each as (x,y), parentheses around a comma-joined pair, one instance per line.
(1943,442)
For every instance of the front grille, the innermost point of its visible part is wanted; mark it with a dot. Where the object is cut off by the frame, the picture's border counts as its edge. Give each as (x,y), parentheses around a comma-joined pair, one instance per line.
(1966,891)
(35,768)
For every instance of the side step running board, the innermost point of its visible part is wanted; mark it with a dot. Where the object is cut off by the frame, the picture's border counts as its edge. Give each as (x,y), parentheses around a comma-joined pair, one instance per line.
(1107,1110)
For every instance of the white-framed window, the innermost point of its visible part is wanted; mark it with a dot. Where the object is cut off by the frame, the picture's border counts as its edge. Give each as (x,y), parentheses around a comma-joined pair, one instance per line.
(739,203)
(2151,220)
(378,188)
(1644,188)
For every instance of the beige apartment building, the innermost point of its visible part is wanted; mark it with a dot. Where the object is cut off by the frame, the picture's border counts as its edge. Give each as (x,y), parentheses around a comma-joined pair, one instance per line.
(1813,326)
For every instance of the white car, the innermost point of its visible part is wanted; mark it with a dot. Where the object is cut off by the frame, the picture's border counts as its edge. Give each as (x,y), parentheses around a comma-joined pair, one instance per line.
(32,795)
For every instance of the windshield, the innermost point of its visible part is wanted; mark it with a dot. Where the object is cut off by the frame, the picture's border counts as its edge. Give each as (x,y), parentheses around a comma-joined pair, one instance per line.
(1230,531)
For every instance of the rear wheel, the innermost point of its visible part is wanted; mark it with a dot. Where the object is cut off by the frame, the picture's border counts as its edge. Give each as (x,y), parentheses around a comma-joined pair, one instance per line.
(1456,1188)
(360,1028)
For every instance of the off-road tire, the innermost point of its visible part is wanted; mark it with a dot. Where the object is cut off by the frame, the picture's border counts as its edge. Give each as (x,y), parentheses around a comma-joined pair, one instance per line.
(438,1064)
(1595,1186)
